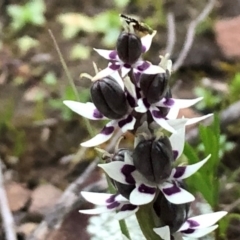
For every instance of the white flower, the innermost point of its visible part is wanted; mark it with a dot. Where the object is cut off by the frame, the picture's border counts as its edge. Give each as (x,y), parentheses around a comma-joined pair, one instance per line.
(194,227)
(109,203)
(145,190)
(116,63)
(89,110)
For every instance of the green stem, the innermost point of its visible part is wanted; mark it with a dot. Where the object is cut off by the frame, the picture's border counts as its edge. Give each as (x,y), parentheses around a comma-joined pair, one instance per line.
(70,79)
(145,217)
(124,229)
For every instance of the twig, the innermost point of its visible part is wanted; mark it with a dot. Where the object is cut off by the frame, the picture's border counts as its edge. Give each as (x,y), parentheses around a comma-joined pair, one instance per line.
(231,206)
(70,79)
(191,35)
(171,35)
(7,218)
(227,117)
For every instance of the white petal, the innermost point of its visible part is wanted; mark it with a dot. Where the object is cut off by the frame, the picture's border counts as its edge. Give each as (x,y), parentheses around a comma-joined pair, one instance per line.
(179,103)
(106,53)
(120,198)
(102,137)
(127,158)
(183,172)
(126,213)
(163,232)
(118,79)
(141,106)
(103,73)
(175,194)
(87,110)
(153,69)
(127,124)
(197,119)
(200,232)
(177,141)
(205,220)
(130,87)
(114,170)
(142,194)
(178,123)
(173,113)
(166,63)
(147,40)
(97,210)
(124,71)
(161,121)
(97,198)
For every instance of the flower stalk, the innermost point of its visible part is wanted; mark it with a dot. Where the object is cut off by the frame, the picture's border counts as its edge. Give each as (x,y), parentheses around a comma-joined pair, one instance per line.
(145,179)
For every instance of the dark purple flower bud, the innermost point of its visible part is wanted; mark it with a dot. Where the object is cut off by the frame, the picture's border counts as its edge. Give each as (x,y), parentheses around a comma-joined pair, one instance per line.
(109,98)
(164,110)
(129,47)
(173,215)
(123,189)
(154,86)
(153,159)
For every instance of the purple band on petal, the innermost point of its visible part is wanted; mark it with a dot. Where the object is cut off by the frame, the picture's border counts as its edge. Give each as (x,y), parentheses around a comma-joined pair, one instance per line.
(113,55)
(146,103)
(179,171)
(127,172)
(157,114)
(145,189)
(128,207)
(114,66)
(107,130)
(175,154)
(188,231)
(113,205)
(112,198)
(127,65)
(193,223)
(143,66)
(168,102)
(125,121)
(143,49)
(172,190)
(131,100)
(97,114)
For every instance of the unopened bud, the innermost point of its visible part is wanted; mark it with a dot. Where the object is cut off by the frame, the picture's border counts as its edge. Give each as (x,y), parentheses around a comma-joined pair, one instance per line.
(129,47)
(173,215)
(153,159)
(154,86)
(109,98)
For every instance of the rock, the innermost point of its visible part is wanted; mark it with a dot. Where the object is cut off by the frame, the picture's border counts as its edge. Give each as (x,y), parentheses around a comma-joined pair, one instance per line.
(228,36)
(26,229)
(44,198)
(18,196)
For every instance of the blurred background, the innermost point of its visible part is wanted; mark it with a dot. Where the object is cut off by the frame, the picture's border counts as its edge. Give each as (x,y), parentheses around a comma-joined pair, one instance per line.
(40,137)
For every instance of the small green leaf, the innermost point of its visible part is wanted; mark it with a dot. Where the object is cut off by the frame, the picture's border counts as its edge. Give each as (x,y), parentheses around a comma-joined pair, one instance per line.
(50,78)
(121,3)
(80,51)
(25,43)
